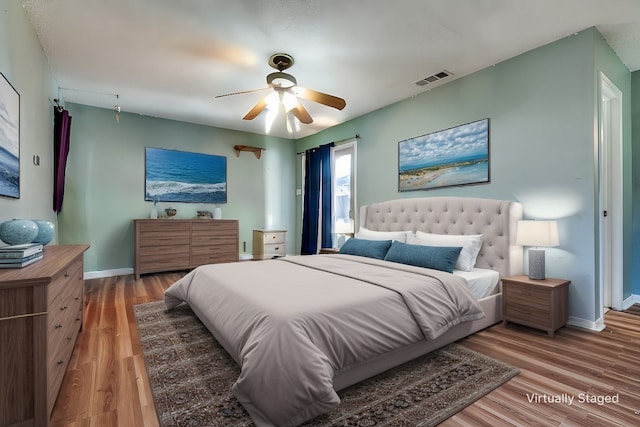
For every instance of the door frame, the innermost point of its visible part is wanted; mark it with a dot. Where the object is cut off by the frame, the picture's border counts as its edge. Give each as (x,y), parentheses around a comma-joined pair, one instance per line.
(610,247)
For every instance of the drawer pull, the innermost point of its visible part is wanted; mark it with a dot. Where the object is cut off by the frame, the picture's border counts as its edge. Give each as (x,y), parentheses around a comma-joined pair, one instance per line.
(63,308)
(77,298)
(58,326)
(66,274)
(60,362)
(69,338)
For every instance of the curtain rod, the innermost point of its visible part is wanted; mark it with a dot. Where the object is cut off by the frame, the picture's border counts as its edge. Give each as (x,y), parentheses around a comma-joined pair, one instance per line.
(342,141)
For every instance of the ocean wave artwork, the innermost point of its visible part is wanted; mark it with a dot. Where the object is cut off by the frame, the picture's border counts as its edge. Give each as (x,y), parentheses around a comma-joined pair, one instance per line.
(450,157)
(9,140)
(182,176)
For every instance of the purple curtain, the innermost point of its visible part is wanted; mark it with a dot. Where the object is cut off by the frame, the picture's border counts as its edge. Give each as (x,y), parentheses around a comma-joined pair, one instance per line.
(61,134)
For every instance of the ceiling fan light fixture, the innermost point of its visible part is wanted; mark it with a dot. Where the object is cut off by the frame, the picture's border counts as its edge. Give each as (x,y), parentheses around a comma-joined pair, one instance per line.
(273,101)
(289,101)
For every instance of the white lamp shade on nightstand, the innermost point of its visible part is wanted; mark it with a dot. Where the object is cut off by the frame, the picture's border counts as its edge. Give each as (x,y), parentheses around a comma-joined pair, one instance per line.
(537,234)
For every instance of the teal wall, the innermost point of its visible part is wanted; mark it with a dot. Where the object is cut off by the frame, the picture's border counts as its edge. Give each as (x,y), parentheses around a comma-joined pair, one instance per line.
(543,111)
(24,65)
(105,180)
(635,197)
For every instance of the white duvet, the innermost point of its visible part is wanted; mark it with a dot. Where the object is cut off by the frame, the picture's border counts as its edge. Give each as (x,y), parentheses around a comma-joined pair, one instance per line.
(292,324)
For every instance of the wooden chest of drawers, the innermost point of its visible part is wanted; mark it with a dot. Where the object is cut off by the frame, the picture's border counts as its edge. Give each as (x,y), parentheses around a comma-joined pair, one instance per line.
(269,244)
(40,317)
(181,244)
(541,304)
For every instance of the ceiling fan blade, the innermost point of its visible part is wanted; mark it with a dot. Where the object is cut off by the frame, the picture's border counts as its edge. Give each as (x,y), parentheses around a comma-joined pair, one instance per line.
(322,98)
(257,109)
(301,114)
(243,91)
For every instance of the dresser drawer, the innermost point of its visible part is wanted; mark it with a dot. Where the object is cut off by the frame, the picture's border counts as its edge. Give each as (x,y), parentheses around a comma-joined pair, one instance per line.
(224,239)
(213,255)
(58,361)
(272,250)
(66,284)
(529,296)
(525,314)
(167,238)
(159,258)
(214,227)
(270,237)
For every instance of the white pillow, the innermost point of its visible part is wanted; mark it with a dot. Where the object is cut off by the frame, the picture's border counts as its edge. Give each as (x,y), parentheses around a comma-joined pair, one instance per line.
(470,245)
(365,233)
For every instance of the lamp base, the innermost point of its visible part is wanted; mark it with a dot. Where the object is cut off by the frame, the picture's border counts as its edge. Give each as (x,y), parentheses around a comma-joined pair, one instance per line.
(536,264)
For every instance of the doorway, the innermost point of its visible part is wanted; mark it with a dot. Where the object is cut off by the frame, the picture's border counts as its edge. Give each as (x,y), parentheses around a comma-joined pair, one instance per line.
(610,196)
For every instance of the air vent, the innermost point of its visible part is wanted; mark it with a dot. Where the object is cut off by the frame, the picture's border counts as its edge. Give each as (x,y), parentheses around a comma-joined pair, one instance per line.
(434,78)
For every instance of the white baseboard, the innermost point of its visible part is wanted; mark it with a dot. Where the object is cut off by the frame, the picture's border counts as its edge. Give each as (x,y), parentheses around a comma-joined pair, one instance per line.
(633,299)
(107,273)
(598,325)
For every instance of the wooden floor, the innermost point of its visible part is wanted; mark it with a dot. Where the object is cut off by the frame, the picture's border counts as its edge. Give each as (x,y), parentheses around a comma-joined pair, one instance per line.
(107,385)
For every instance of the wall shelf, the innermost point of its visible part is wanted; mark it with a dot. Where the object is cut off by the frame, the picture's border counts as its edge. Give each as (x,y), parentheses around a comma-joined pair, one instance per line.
(257,151)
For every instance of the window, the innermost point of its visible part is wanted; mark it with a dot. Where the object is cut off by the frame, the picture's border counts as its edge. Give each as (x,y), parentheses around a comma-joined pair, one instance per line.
(344,205)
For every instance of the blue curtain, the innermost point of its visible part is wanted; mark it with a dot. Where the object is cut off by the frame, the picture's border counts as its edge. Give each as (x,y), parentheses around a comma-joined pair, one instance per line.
(317,199)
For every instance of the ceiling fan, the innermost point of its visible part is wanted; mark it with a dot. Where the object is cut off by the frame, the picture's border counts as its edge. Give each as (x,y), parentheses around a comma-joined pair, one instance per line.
(286,93)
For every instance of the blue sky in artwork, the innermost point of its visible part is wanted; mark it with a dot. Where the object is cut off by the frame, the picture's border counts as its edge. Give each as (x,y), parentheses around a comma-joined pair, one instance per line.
(465,142)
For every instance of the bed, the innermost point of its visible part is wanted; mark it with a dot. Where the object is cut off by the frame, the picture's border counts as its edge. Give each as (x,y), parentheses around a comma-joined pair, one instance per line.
(303,327)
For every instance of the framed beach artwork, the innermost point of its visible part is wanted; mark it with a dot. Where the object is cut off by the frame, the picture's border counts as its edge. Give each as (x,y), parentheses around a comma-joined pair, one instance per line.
(450,157)
(182,176)
(9,140)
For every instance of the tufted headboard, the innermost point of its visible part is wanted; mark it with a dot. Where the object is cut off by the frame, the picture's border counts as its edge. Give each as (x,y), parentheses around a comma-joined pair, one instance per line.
(495,219)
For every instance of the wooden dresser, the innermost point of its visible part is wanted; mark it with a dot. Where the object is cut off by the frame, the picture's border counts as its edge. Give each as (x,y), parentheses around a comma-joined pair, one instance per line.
(269,244)
(182,244)
(40,317)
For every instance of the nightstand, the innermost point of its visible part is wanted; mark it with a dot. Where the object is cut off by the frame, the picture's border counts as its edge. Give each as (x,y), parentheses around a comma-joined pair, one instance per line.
(269,244)
(541,304)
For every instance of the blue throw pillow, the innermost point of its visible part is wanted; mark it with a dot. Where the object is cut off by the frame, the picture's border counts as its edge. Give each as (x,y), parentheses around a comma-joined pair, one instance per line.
(437,257)
(368,248)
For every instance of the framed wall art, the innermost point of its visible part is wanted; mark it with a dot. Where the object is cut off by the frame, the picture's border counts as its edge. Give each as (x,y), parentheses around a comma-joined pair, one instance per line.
(450,157)
(182,176)
(9,140)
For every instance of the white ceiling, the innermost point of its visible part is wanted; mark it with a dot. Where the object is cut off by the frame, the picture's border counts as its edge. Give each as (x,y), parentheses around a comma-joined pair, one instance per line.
(169,59)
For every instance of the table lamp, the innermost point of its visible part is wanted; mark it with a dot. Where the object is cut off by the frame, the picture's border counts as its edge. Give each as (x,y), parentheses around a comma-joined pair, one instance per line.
(537,234)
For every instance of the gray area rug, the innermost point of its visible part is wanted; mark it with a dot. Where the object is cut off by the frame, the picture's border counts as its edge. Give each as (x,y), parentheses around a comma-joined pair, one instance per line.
(191,377)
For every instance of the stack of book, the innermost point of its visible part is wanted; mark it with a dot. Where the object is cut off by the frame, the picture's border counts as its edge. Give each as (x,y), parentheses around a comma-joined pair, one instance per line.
(18,256)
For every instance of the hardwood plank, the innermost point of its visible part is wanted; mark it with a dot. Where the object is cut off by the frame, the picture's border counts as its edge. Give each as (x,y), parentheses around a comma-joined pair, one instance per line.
(106,383)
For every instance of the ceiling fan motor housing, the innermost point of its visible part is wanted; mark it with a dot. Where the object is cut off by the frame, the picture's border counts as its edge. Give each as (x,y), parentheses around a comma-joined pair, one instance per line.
(281,61)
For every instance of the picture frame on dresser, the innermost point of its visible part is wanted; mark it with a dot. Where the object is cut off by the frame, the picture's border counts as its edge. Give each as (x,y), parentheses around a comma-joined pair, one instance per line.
(9,140)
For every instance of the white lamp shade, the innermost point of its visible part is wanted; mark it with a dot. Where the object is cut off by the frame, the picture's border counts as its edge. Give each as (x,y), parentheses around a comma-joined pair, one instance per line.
(537,233)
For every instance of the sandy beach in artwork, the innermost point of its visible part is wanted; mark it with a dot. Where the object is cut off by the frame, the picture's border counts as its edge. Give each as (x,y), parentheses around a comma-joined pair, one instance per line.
(457,173)
(418,179)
